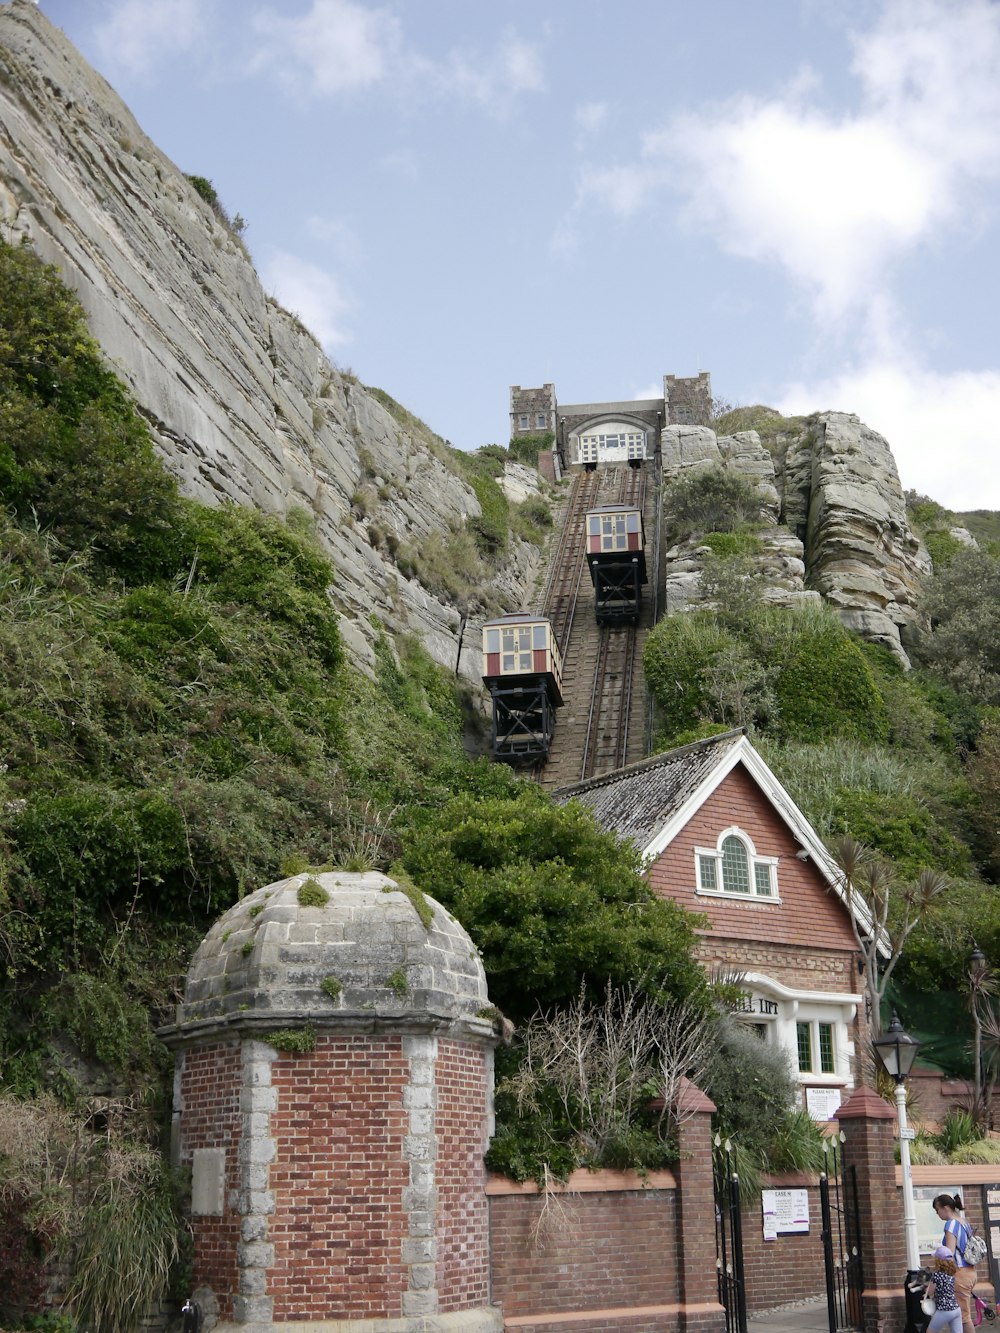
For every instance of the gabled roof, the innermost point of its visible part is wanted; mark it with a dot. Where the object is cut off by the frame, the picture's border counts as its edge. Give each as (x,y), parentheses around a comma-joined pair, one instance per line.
(649,803)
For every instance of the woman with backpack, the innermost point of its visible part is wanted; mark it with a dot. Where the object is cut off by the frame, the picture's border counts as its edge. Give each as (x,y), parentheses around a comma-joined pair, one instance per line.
(957,1234)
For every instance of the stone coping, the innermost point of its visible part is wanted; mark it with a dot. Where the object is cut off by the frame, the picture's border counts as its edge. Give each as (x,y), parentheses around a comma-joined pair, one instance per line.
(583,1181)
(360,1022)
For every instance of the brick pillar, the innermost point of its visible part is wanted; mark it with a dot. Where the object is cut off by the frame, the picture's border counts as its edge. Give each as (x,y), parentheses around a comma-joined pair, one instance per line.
(697,1281)
(867,1125)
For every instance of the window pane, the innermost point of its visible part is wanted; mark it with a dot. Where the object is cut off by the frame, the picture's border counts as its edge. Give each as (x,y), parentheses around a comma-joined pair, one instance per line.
(492,640)
(706,870)
(735,867)
(803,1039)
(762,879)
(538,635)
(826,1047)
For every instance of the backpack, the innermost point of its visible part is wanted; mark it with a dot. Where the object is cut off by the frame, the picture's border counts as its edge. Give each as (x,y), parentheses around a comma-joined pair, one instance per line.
(975,1249)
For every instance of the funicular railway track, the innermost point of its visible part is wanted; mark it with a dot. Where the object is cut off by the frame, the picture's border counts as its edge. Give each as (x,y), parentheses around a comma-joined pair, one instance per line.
(567,568)
(593,731)
(605,745)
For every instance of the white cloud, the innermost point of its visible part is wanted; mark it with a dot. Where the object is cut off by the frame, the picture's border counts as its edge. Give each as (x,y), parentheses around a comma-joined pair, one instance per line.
(836,198)
(310,293)
(943,429)
(342,239)
(340,46)
(336,47)
(137,34)
(590,116)
(493,80)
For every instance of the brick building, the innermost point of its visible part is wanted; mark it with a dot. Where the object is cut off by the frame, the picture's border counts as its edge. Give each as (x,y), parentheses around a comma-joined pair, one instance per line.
(723,837)
(333,1100)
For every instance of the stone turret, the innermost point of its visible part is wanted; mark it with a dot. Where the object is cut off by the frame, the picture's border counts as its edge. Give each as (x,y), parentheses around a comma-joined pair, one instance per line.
(333,1099)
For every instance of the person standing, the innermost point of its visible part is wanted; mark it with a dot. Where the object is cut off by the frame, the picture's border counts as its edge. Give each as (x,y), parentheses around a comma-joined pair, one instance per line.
(956,1235)
(942,1288)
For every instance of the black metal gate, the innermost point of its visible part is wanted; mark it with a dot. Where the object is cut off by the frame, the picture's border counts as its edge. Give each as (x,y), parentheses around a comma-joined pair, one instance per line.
(838,1196)
(729,1239)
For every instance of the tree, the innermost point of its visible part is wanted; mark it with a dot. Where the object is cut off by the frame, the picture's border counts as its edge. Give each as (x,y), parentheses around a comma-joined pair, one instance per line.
(884,913)
(551,900)
(596,1082)
(963,646)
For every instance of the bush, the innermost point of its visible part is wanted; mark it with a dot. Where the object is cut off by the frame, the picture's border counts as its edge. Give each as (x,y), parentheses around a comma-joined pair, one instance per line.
(678,652)
(824,683)
(526,448)
(712,499)
(551,901)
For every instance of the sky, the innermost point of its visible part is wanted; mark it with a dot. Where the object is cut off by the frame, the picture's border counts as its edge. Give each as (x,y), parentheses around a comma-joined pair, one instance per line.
(800,196)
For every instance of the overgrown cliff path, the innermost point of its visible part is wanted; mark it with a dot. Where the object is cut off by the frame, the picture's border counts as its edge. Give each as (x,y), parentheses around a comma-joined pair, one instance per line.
(603,723)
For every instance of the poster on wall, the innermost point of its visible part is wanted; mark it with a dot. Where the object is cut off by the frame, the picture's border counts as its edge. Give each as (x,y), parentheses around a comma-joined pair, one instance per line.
(991,1230)
(930,1228)
(823,1103)
(785,1211)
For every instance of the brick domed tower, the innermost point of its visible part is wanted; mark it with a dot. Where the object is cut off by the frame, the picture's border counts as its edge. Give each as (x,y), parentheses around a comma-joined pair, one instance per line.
(333,1097)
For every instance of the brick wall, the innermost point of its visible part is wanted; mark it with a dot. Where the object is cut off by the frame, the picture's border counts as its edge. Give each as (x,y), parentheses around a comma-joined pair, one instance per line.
(789,1268)
(590,1253)
(463,1277)
(210,1092)
(338,1180)
(808,915)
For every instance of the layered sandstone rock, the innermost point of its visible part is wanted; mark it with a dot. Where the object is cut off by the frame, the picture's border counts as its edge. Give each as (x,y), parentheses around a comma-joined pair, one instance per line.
(842,532)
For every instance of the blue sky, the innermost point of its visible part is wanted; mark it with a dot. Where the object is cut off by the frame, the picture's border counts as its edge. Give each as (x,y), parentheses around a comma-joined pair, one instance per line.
(800,196)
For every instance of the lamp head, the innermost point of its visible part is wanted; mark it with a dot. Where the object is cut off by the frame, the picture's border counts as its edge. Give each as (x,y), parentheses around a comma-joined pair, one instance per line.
(897,1050)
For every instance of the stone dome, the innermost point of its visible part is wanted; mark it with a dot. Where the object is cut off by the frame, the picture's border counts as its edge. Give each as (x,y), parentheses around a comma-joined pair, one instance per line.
(334,949)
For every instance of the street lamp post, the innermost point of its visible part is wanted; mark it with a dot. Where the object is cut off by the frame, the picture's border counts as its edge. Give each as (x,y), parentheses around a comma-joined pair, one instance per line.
(897,1051)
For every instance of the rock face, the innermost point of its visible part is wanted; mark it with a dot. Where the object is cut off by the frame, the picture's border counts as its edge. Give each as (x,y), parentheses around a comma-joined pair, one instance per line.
(241,400)
(840,533)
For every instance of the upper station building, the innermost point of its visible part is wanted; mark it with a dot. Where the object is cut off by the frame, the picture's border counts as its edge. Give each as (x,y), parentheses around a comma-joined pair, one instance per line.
(619,432)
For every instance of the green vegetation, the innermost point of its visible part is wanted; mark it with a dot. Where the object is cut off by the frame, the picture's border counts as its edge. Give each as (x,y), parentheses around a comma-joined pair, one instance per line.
(797,676)
(526,448)
(772,428)
(293,1041)
(312,894)
(712,500)
(545,894)
(237,225)
(397,982)
(332,987)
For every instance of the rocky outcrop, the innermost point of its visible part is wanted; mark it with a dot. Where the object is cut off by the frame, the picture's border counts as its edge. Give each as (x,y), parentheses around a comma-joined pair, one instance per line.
(842,532)
(841,493)
(241,400)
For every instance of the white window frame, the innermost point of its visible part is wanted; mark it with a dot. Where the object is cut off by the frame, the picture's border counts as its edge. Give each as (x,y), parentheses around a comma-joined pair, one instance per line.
(815,1067)
(539,421)
(705,856)
(784,1007)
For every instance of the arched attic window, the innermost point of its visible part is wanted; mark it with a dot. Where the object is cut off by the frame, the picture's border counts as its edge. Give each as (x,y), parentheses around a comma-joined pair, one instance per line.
(732,867)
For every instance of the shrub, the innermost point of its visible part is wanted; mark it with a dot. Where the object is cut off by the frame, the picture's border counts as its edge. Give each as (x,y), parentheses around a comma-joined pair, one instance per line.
(549,899)
(678,652)
(712,499)
(312,894)
(526,448)
(743,542)
(824,683)
(902,830)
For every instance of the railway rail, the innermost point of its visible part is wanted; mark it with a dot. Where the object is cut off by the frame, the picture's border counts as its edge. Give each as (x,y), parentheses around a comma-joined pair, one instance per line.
(602,723)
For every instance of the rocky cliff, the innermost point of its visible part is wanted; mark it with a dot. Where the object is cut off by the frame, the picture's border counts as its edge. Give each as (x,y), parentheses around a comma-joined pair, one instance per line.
(241,399)
(839,531)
